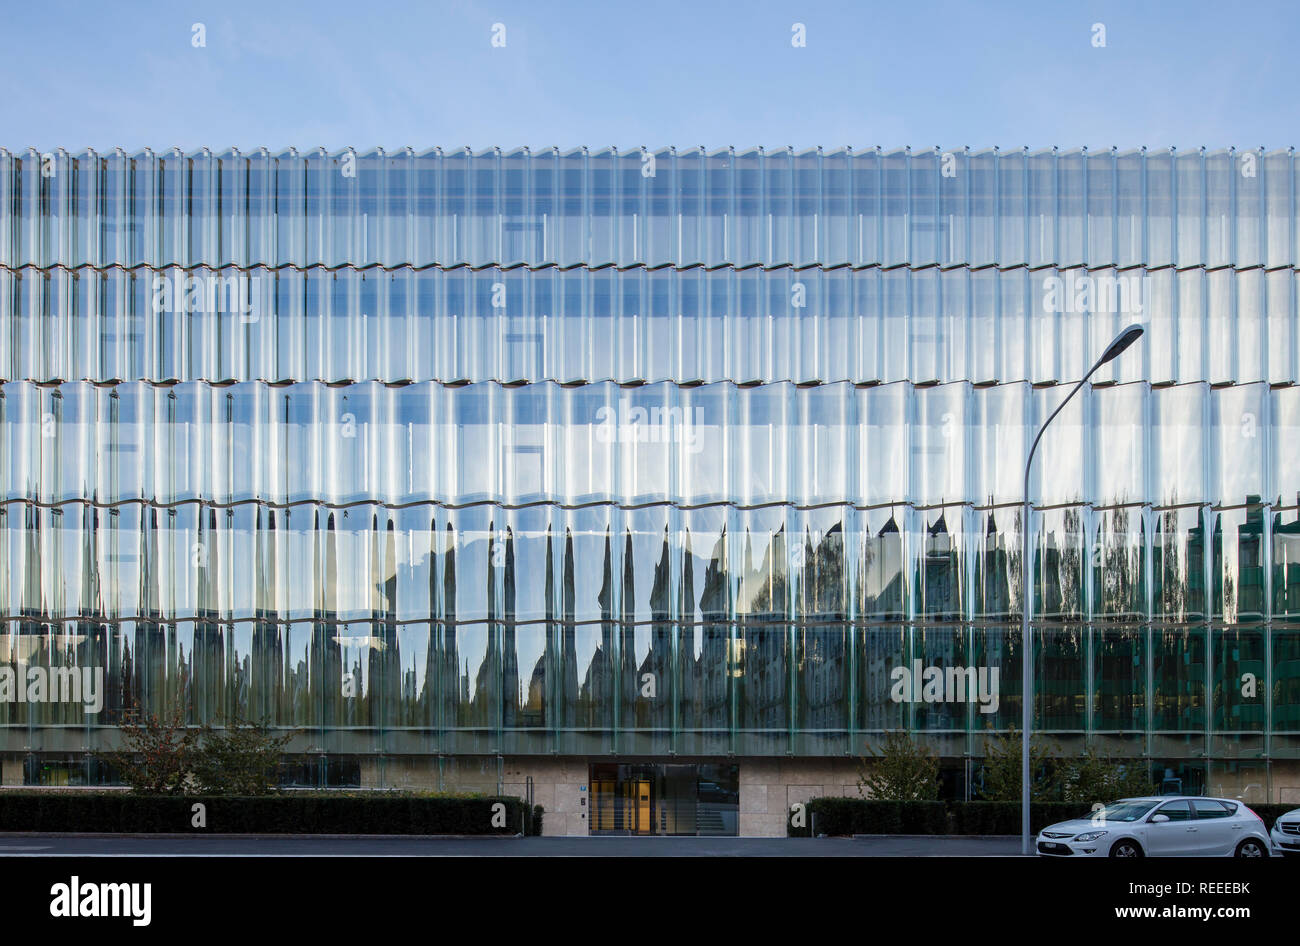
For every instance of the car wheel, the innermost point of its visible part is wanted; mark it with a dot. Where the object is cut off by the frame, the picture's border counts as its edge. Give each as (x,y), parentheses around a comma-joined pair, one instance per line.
(1251,848)
(1126,848)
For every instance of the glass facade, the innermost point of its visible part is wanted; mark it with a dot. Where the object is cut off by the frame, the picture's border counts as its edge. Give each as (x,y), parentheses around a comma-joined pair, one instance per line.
(657,454)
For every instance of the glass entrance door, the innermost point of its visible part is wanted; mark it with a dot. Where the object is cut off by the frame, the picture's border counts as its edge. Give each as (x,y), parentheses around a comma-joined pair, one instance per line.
(622,801)
(636,802)
(651,798)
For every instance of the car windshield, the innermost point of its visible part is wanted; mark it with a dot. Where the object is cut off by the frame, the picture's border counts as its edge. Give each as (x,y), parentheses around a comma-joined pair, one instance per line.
(1123,811)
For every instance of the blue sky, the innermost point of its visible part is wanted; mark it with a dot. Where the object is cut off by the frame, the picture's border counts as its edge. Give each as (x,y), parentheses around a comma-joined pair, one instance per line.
(635,73)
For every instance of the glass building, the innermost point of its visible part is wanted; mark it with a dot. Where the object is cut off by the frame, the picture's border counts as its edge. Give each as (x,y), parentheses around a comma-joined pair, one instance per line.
(633,481)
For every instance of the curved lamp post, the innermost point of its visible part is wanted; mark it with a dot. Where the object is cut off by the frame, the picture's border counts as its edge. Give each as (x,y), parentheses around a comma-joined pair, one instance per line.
(1122,341)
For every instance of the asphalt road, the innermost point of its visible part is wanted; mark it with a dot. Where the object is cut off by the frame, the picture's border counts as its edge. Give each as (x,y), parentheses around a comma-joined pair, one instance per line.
(101,846)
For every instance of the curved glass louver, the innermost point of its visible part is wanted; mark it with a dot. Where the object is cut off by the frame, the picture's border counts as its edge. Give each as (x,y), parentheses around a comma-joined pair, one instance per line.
(441,454)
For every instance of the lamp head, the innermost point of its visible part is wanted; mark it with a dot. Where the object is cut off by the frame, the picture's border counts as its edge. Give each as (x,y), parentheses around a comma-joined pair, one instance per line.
(1122,341)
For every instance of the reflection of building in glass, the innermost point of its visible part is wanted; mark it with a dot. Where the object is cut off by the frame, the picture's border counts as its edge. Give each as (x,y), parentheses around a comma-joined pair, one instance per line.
(383,503)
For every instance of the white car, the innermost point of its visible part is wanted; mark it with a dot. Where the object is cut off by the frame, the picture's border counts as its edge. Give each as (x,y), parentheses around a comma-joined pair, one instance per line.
(1161,826)
(1286,834)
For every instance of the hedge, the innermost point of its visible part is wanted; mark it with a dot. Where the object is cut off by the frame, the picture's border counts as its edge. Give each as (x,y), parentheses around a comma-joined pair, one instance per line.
(836,816)
(119,812)
(842,816)
(1003,817)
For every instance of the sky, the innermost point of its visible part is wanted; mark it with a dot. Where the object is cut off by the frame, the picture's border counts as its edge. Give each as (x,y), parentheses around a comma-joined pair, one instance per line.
(628,73)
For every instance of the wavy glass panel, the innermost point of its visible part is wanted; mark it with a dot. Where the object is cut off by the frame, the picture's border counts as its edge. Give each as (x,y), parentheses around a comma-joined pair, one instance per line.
(1181,458)
(1178,564)
(707,660)
(823,686)
(945,649)
(1118,563)
(762,686)
(820,582)
(1120,437)
(1102,193)
(1285,559)
(1061,564)
(1235,654)
(1120,689)
(1132,209)
(1286,687)
(1280,315)
(996,564)
(1060,473)
(1178,702)
(925,231)
(879,649)
(1221,172)
(938,557)
(1158,298)
(1238,567)
(1060,675)
(1249,239)
(1000,647)
(938,444)
(470,683)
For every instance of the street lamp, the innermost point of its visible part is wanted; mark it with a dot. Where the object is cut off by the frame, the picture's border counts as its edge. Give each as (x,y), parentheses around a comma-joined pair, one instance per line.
(1122,341)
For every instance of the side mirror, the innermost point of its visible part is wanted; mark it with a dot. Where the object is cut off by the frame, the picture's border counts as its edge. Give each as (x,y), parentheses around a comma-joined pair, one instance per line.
(1159,819)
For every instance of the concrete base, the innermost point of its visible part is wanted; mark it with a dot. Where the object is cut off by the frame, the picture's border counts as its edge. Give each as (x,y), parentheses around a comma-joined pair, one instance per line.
(769,787)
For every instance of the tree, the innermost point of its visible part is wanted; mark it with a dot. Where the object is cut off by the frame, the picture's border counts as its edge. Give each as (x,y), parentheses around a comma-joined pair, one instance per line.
(160,755)
(239,758)
(1095,777)
(1002,766)
(157,753)
(902,770)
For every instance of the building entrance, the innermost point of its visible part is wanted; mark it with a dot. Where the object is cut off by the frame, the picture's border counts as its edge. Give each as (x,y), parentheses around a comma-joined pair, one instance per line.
(654,798)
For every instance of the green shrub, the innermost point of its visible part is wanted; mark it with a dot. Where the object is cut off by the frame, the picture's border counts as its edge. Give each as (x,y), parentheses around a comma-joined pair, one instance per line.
(925,818)
(239,757)
(842,817)
(1003,817)
(848,816)
(293,813)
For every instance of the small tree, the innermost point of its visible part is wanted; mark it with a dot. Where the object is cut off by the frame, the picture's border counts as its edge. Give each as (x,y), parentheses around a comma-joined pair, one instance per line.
(1094,777)
(157,752)
(903,770)
(1002,765)
(239,758)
